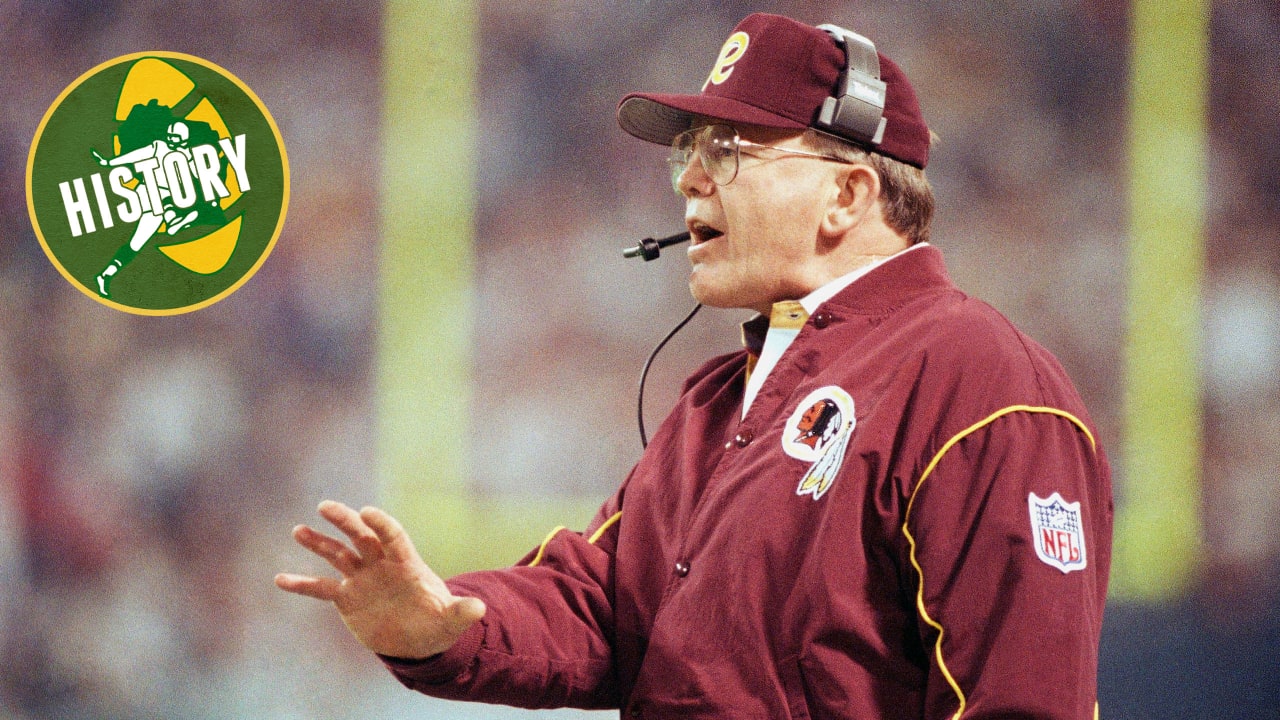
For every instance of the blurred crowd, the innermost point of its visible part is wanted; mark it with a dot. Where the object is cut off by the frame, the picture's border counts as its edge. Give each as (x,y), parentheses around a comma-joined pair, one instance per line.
(150,468)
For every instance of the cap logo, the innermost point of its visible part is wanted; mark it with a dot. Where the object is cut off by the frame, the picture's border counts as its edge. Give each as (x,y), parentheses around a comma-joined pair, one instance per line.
(732,51)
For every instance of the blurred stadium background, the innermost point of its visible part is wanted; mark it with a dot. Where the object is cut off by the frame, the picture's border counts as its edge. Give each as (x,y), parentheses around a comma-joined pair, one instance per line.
(447,325)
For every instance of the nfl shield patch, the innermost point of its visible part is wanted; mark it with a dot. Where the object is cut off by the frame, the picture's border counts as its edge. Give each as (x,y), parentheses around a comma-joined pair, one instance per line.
(1056,532)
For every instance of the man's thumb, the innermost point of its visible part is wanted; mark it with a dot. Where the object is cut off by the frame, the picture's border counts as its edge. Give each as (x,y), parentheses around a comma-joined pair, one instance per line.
(464,612)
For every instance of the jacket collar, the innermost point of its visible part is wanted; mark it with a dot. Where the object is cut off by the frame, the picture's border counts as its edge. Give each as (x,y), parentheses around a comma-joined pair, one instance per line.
(893,284)
(886,287)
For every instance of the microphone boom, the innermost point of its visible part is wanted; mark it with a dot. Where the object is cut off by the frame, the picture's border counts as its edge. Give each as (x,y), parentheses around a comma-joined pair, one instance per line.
(650,248)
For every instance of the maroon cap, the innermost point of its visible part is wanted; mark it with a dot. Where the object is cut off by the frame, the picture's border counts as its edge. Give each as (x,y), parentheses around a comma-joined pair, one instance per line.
(776,72)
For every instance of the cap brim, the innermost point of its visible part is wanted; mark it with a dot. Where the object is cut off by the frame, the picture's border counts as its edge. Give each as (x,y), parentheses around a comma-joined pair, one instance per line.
(658,118)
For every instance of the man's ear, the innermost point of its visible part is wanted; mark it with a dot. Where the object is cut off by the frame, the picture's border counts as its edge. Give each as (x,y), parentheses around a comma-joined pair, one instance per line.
(854,200)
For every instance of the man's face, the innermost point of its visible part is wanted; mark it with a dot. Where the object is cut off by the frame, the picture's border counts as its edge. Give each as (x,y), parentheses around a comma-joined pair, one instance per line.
(754,239)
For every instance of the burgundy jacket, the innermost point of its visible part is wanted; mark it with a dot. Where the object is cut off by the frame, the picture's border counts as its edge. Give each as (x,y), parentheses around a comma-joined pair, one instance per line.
(912,521)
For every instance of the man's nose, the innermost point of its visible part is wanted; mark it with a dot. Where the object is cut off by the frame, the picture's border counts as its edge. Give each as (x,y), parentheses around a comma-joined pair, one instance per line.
(694,180)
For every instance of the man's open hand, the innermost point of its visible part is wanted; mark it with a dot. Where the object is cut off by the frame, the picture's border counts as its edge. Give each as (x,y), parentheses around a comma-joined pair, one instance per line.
(388,597)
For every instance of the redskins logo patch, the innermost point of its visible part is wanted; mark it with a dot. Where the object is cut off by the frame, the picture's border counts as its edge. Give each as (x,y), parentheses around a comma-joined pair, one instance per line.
(818,432)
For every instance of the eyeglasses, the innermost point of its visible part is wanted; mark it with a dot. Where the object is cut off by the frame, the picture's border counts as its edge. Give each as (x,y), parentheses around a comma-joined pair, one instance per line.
(719,148)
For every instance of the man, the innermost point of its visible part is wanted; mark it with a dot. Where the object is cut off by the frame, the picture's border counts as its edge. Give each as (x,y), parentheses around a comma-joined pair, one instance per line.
(939,550)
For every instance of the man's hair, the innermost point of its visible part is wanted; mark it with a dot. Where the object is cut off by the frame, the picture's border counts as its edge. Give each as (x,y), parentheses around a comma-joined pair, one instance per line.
(907,195)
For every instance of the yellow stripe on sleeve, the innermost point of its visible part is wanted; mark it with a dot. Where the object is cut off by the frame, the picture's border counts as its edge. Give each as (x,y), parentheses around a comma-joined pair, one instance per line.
(605,527)
(906,529)
(542,549)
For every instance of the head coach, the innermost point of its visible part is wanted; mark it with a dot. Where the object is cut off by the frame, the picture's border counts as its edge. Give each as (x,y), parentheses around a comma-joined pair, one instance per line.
(891,503)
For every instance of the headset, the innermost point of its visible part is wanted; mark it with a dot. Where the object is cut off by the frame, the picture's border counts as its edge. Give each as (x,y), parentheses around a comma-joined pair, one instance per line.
(857,112)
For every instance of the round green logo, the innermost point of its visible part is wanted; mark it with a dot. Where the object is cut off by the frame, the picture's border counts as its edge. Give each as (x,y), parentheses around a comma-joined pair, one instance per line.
(157,183)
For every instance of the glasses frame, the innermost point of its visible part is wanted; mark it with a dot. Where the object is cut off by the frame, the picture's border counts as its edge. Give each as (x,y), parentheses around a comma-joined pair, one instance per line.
(698,145)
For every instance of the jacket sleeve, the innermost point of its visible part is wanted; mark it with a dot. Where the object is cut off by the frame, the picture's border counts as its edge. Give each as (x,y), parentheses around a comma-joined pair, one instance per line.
(1008,535)
(546,638)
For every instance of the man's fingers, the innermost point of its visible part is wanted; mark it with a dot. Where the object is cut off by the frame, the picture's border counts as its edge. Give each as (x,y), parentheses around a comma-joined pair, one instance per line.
(318,588)
(394,540)
(349,522)
(388,597)
(341,557)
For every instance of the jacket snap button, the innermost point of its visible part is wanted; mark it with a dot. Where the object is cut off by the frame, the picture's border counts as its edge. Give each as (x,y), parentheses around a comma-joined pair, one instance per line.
(744,438)
(682,569)
(821,320)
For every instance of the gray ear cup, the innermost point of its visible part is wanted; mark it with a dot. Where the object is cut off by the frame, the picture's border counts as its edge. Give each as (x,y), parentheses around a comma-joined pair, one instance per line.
(857,112)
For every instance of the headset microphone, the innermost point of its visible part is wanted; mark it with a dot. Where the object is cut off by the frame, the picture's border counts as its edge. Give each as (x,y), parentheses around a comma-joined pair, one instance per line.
(649,248)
